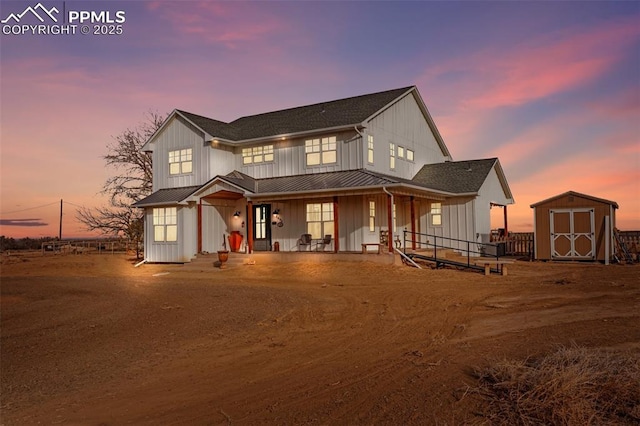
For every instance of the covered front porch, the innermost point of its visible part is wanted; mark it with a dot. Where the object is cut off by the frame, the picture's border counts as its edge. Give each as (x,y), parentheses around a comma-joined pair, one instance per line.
(346,222)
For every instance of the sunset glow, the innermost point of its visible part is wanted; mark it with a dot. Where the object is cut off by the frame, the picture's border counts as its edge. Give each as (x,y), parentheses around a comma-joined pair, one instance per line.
(551,88)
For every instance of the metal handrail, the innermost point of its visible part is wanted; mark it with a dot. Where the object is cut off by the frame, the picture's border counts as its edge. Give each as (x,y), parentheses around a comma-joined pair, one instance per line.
(481,246)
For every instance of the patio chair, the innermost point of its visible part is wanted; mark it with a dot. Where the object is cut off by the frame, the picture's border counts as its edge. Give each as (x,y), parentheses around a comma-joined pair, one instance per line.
(320,245)
(304,241)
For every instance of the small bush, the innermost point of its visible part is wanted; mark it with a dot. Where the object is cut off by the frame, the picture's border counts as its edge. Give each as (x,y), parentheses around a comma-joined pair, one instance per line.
(573,386)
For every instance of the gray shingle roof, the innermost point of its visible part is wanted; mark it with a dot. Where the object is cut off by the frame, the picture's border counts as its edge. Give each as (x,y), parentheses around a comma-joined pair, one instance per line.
(241,180)
(455,176)
(213,127)
(169,196)
(459,177)
(338,113)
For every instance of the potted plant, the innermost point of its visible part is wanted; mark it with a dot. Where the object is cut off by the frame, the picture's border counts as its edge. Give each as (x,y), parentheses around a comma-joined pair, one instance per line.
(223,255)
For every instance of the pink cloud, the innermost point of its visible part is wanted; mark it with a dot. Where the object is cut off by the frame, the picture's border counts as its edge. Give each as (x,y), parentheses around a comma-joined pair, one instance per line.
(231,25)
(546,66)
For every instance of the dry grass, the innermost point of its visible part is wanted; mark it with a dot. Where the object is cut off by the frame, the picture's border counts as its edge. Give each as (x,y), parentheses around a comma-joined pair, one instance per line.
(573,386)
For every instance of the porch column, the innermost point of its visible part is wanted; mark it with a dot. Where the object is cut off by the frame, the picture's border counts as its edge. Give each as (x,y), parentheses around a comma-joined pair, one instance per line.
(200,226)
(506,230)
(250,226)
(413,223)
(336,240)
(390,222)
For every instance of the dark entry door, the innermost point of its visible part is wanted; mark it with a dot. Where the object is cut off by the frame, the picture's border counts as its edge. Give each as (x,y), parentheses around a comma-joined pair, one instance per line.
(262,227)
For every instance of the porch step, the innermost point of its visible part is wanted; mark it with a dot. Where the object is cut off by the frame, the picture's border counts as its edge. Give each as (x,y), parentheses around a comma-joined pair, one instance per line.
(210,261)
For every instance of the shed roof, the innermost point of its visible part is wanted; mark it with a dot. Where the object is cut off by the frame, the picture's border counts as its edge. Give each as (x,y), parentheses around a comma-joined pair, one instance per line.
(575,194)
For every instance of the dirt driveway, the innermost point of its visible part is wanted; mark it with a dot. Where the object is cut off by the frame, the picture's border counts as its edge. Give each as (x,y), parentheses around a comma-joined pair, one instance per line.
(89,339)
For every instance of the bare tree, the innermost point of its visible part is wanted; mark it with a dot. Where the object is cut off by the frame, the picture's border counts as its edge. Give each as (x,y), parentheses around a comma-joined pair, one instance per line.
(132,182)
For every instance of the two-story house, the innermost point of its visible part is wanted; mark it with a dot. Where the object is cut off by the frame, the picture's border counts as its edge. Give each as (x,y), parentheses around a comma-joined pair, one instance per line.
(349,168)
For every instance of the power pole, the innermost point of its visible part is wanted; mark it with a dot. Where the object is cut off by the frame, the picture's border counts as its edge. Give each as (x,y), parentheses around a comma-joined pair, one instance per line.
(60,232)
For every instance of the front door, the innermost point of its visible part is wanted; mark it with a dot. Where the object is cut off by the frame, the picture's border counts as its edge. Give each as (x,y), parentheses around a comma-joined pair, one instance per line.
(262,227)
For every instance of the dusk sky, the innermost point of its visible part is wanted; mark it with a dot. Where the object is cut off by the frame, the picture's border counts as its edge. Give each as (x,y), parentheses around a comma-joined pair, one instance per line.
(551,88)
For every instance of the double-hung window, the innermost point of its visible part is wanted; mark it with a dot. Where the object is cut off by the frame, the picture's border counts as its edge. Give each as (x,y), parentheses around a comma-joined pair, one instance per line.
(180,161)
(370,149)
(165,224)
(257,154)
(372,216)
(321,151)
(436,214)
(392,156)
(409,155)
(320,219)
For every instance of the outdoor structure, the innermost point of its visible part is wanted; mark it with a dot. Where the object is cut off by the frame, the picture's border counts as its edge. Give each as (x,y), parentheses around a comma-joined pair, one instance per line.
(574,226)
(349,172)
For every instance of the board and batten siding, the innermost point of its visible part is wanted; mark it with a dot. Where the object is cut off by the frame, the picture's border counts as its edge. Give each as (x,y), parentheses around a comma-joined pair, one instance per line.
(403,124)
(182,250)
(179,134)
(457,222)
(352,222)
(289,157)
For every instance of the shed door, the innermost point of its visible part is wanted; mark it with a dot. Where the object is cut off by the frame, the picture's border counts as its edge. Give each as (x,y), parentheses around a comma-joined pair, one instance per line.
(572,233)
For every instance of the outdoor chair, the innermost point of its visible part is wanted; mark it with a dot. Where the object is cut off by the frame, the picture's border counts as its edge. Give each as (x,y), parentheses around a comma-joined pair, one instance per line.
(320,245)
(304,241)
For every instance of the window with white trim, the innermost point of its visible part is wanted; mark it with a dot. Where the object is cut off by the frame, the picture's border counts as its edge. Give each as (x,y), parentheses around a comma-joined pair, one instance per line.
(257,154)
(180,161)
(372,216)
(409,155)
(400,152)
(392,156)
(370,149)
(436,214)
(321,151)
(165,224)
(320,219)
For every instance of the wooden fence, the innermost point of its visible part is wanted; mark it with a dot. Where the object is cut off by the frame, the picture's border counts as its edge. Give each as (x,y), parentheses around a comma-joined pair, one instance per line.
(516,244)
(99,246)
(631,240)
(521,243)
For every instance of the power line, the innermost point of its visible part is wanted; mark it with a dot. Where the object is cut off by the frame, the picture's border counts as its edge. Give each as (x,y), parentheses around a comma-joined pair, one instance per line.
(75,205)
(29,208)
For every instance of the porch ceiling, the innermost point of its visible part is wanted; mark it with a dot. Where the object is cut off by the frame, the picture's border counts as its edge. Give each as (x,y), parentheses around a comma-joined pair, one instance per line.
(224,195)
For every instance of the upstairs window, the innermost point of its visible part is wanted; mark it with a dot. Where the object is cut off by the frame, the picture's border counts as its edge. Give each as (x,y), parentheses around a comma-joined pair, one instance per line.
(436,214)
(321,151)
(257,154)
(400,152)
(409,155)
(320,219)
(165,224)
(370,149)
(392,156)
(180,161)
